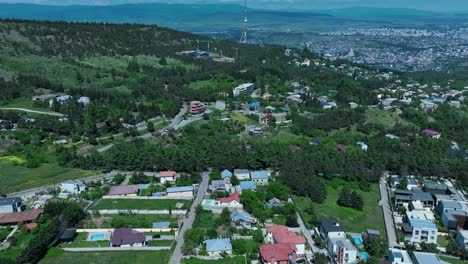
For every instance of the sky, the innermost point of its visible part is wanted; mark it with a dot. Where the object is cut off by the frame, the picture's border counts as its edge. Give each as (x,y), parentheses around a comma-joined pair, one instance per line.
(430,5)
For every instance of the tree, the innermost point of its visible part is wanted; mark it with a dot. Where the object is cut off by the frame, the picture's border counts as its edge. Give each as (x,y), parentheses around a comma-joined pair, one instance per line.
(234,180)
(320,258)
(150,127)
(225,217)
(351,199)
(403,184)
(278,190)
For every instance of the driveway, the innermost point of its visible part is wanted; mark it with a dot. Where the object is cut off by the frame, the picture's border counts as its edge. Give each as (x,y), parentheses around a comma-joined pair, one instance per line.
(388,217)
(32,111)
(188,222)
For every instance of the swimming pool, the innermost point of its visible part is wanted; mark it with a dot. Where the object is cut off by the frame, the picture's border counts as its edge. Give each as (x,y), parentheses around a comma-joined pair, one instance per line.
(357,240)
(207,202)
(364,255)
(98,236)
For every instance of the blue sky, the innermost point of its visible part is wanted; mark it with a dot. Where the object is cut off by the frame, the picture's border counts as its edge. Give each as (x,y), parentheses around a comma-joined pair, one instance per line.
(432,5)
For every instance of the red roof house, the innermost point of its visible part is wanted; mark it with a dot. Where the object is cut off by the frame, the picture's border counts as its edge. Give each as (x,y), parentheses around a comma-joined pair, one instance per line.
(233,197)
(169,176)
(16,217)
(281,235)
(431,133)
(124,190)
(277,254)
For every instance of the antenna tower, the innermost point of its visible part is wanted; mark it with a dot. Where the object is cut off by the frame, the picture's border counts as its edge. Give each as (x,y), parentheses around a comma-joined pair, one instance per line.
(243,38)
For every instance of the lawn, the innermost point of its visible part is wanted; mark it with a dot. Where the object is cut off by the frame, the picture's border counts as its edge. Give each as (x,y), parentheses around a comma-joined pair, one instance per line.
(160,243)
(233,260)
(16,177)
(205,219)
(80,241)
(288,138)
(4,232)
(128,204)
(15,251)
(134,220)
(451,260)
(352,220)
(58,256)
(443,241)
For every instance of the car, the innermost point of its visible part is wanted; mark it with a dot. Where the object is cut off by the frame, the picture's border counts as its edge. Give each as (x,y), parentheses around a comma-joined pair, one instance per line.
(156,236)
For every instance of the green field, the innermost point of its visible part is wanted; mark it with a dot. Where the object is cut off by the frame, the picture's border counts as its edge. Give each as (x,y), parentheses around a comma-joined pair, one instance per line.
(16,177)
(15,251)
(352,220)
(134,220)
(442,241)
(160,243)
(233,260)
(124,204)
(58,256)
(288,138)
(451,260)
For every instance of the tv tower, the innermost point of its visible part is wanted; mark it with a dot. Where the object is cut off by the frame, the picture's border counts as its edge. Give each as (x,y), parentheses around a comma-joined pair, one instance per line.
(243,38)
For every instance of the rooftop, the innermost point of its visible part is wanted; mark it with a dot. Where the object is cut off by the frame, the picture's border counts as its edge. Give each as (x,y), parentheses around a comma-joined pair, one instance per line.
(123,189)
(219,244)
(125,236)
(259,175)
(276,252)
(9,200)
(233,197)
(226,174)
(167,174)
(331,225)
(425,257)
(283,235)
(25,216)
(180,189)
(241,171)
(247,185)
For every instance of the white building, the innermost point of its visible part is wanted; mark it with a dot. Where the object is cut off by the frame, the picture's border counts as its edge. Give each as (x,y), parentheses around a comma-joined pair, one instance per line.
(10,205)
(363,145)
(419,227)
(462,239)
(167,176)
(246,88)
(343,250)
(398,256)
(72,186)
(84,100)
(242,174)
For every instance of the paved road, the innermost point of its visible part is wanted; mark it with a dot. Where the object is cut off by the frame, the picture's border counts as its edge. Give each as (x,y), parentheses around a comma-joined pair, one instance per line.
(31,111)
(187,223)
(174,123)
(389,224)
(308,235)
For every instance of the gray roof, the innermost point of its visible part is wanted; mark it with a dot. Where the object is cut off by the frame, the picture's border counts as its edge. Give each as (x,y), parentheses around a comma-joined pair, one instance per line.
(241,171)
(226,174)
(219,244)
(422,196)
(259,175)
(331,225)
(425,258)
(9,200)
(180,189)
(436,186)
(450,204)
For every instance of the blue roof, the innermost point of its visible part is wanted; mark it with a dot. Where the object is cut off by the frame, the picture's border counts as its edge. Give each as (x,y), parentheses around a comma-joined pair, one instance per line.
(420,223)
(219,244)
(254,104)
(161,224)
(242,216)
(259,175)
(143,186)
(63,98)
(226,174)
(392,136)
(247,185)
(180,189)
(412,181)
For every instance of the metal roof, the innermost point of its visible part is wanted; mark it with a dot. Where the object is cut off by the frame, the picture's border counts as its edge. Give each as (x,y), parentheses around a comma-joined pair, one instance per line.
(219,244)
(180,189)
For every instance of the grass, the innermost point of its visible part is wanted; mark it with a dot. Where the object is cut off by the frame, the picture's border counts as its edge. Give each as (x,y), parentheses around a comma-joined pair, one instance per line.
(124,204)
(385,118)
(205,220)
(134,220)
(15,177)
(451,260)
(15,251)
(442,241)
(288,138)
(80,241)
(4,232)
(232,260)
(160,243)
(352,220)
(58,256)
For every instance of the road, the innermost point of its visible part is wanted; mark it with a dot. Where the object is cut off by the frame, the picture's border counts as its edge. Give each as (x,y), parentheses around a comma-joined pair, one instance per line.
(188,222)
(307,234)
(388,217)
(32,111)
(174,123)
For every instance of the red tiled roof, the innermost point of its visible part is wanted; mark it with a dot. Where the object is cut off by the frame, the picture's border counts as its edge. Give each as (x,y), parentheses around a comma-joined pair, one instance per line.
(276,252)
(233,197)
(26,216)
(167,174)
(283,235)
(342,147)
(123,189)
(31,226)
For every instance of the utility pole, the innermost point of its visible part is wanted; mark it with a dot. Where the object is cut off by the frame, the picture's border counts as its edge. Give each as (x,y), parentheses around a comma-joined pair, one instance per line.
(243,38)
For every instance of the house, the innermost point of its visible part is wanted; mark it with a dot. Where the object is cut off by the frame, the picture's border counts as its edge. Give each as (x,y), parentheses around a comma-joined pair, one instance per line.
(126,237)
(279,234)
(16,217)
(60,100)
(220,105)
(234,198)
(232,203)
(431,133)
(84,100)
(226,175)
(246,185)
(399,256)
(343,250)
(363,145)
(436,188)
(10,204)
(444,206)
(184,191)
(341,147)
(196,108)
(425,258)
(391,136)
(314,141)
(72,186)
(411,183)
(427,106)
(242,174)
(330,227)
(242,219)
(274,202)
(371,233)
(167,176)
(403,197)
(419,227)
(454,219)
(246,88)
(278,254)
(455,104)
(214,247)
(259,177)
(124,190)
(217,185)
(462,239)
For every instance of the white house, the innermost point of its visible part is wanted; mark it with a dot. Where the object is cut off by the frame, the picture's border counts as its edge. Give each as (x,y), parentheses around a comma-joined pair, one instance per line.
(330,227)
(246,88)
(84,100)
(72,186)
(419,227)
(462,239)
(259,177)
(214,247)
(10,205)
(398,256)
(343,250)
(363,145)
(167,176)
(242,174)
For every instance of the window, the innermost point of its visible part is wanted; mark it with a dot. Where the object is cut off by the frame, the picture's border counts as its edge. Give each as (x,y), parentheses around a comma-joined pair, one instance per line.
(432,238)
(433,232)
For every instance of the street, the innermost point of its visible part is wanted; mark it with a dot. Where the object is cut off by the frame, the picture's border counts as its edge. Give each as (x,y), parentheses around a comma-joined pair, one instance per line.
(188,222)
(389,224)
(307,234)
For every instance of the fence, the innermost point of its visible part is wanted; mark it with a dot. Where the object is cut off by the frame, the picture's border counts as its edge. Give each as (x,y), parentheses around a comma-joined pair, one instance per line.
(147,197)
(142,212)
